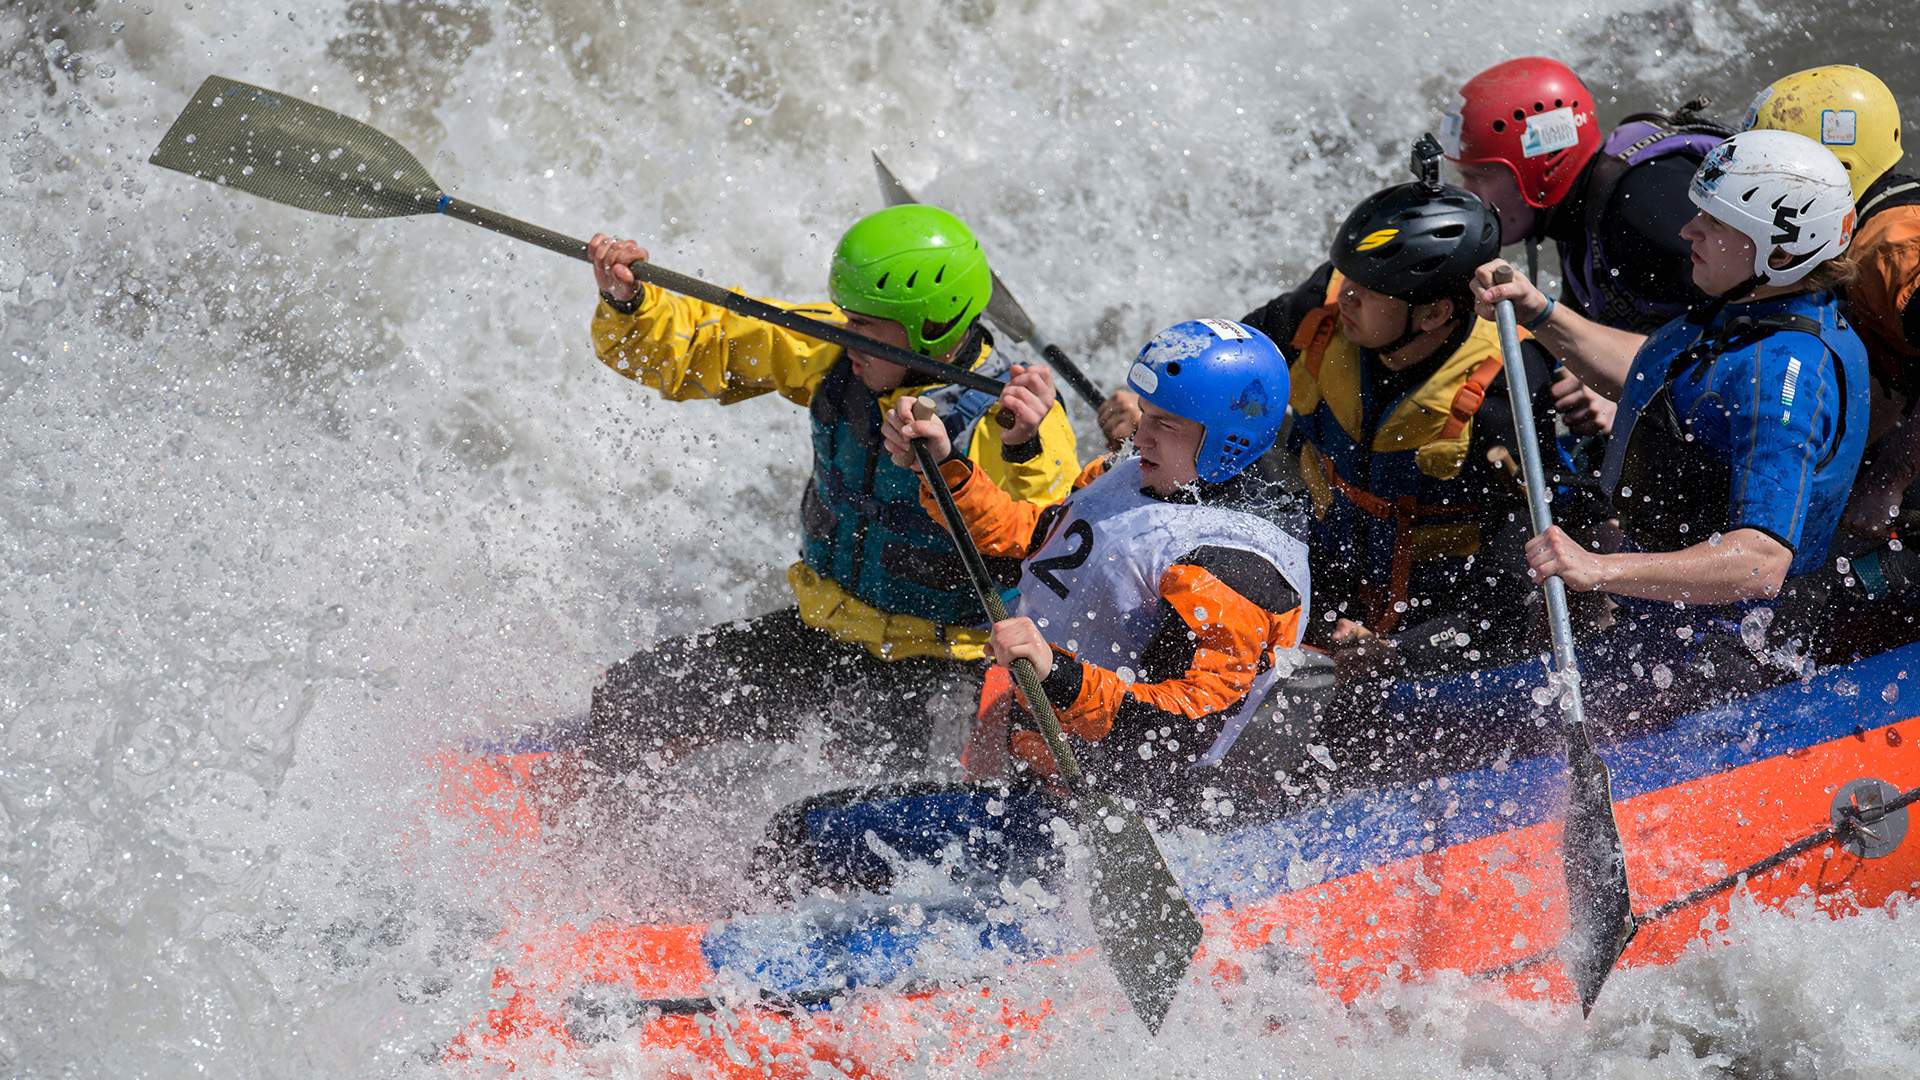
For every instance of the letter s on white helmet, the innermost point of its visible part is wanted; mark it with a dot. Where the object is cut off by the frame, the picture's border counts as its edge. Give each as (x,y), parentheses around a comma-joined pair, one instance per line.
(1786,192)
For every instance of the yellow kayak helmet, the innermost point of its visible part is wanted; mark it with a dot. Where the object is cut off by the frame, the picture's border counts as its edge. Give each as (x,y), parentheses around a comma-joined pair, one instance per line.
(1842,107)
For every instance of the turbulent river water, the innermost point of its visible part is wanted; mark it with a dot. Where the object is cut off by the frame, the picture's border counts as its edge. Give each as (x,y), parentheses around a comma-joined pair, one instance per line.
(288,504)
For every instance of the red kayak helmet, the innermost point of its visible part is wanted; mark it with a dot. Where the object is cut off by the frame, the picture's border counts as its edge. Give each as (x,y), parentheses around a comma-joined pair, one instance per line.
(1532,115)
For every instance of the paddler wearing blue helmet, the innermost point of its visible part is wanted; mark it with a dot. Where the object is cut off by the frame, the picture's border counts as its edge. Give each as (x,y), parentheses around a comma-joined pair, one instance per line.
(1157,600)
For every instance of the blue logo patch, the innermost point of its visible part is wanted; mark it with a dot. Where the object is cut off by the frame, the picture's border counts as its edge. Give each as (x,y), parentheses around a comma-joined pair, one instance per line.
(1252,402)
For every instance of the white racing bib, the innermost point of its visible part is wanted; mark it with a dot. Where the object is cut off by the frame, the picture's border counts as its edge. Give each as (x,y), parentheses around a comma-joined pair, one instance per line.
(1093,587)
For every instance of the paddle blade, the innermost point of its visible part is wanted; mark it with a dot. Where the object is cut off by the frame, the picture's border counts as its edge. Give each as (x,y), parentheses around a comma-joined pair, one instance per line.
(291,152)
(1600,912)
(1002,308)
(892,191)
(1147,928)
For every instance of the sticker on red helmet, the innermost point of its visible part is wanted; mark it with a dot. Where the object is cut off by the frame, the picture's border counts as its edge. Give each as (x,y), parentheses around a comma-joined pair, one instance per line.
(1550,132)
(1451,125)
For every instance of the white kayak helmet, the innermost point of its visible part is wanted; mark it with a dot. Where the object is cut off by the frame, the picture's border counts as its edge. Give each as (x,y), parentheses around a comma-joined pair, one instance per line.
(1786,192)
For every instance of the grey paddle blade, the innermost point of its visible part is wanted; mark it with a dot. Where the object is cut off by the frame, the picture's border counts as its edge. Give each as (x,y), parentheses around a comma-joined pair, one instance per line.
(892,191)
(291,152)
(1002,308)
(1146,926)
(1599,906)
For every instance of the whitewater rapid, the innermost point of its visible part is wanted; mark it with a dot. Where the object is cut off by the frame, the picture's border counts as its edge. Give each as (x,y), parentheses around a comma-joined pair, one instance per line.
(290,504)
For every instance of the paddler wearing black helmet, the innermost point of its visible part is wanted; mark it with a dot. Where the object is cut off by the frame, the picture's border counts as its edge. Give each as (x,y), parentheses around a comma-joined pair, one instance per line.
(1404,439)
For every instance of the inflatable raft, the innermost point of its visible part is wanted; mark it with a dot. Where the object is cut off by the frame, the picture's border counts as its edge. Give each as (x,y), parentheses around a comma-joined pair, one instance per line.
(1455,872)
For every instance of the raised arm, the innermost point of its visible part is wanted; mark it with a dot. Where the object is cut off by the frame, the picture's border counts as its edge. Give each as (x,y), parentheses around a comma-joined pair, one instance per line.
(1600,355)
(690,350)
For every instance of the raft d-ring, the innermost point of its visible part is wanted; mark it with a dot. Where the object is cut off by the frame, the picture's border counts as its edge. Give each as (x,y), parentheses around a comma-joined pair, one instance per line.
(1875,838)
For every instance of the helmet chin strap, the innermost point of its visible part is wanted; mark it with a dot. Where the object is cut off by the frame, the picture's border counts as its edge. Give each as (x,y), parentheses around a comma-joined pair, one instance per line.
(1701,314)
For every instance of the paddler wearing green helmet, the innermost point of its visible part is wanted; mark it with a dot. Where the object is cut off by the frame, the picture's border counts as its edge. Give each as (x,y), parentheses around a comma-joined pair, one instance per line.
(883,623)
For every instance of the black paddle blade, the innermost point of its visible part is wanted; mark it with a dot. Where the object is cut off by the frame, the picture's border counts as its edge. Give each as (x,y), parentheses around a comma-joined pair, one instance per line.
(1600,911)
(1147,927)
(294,153)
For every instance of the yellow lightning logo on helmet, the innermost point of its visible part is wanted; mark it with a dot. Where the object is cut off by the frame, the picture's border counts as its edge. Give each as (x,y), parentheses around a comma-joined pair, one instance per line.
(1375,239)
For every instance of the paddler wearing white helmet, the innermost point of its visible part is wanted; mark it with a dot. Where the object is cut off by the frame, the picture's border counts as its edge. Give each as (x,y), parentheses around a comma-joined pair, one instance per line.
(1741,423)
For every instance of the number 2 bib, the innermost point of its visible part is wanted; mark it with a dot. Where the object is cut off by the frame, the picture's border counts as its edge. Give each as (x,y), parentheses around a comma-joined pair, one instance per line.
(1093,587)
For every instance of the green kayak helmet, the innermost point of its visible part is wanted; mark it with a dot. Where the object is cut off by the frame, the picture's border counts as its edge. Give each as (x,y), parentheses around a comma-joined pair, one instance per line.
(918,266)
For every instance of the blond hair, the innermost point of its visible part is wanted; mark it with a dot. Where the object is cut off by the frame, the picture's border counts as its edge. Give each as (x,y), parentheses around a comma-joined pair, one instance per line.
(1834,275)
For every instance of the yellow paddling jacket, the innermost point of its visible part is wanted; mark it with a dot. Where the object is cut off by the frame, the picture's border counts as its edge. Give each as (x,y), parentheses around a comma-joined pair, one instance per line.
(873,570)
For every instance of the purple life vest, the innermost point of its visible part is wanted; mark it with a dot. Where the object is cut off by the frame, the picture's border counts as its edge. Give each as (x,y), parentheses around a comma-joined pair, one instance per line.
(1589,273)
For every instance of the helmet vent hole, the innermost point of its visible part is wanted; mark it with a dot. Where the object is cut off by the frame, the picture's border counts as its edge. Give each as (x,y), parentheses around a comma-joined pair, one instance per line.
(939,272)
(1576,104)
(1520,115)
(1450,231)
(1539,106)
(1748,197)
(1499,125)
(1559,104)
(882,283)
(911,278)
(1173,367)
(1429,265)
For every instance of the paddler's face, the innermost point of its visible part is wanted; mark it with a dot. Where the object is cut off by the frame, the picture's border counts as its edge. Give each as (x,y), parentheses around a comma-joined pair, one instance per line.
(1494,184)
(1722,255)
(1371,319)
(1169,446)
(878,375)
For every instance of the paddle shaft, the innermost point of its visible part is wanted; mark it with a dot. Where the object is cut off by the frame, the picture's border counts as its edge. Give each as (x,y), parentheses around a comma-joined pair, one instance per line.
(675,282)
(1023,670)
(1068,370)
(1559,621)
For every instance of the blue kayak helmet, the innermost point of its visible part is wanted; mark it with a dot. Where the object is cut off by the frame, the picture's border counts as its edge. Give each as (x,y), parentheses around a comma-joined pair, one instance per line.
(1226,375)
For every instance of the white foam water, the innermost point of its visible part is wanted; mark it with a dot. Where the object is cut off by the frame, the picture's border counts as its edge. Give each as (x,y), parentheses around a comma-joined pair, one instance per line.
(291,504)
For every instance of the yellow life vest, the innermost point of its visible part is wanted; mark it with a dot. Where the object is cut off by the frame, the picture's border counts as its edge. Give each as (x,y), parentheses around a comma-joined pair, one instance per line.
(1389,498)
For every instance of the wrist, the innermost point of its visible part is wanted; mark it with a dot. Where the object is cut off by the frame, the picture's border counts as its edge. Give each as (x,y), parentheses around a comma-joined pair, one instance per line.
(1539,318)
(625,307)
(1610,569)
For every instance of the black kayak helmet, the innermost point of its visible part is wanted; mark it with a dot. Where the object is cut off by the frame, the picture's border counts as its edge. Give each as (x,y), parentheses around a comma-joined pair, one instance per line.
(1417,242)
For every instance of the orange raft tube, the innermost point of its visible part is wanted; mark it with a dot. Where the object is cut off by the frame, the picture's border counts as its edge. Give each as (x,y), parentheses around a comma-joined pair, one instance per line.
(1460,872)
